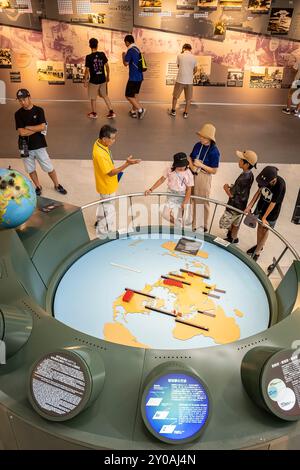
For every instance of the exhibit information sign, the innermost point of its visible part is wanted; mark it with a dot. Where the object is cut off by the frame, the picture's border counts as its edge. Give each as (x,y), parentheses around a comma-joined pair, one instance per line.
(176,407)
(281,385)
(59,385)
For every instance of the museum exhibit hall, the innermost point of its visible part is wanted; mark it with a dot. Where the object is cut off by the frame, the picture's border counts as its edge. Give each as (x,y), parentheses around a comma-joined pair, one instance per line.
(149,225)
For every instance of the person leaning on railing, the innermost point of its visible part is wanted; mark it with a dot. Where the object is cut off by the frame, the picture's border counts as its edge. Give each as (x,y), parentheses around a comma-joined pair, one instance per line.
(107,177)
(269,198)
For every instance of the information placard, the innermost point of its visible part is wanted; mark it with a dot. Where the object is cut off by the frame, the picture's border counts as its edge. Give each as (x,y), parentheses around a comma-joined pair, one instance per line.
(280,384)
(175,407)
(60,385)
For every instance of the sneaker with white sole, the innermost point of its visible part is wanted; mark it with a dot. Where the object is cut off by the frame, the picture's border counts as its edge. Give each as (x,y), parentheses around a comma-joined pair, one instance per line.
(111,114)
(185,115)
(133,113)
(142,113)
(92,115)
(172,112)
(286,110)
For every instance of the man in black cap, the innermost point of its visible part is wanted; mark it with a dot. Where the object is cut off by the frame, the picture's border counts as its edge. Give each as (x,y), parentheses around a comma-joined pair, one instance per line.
(270,195)
(32,127)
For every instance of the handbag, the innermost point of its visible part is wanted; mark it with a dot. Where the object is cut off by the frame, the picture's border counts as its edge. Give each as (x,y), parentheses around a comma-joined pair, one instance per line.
(250,220)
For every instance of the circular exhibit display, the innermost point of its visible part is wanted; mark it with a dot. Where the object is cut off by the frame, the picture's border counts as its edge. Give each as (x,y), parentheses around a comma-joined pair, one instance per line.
(195,293)
(61,385)
(280,384)
(175,407)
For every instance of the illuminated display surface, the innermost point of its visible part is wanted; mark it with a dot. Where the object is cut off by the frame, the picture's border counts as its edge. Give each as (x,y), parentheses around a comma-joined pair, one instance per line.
(176,407)
(90,296)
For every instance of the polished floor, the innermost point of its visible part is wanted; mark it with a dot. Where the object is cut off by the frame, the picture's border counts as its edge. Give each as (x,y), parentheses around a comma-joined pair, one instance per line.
(273,135)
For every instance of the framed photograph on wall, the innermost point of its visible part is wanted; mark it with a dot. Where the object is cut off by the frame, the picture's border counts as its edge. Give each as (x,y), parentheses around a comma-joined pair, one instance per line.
(280,20)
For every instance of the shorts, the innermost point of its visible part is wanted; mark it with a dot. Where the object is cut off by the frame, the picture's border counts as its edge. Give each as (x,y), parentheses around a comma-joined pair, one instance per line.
(230,218)
(97,90)
(41,155)
(272,223)
(132,89)
(179,87)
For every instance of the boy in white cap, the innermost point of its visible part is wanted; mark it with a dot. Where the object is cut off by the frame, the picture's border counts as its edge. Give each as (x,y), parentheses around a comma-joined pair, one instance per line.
(238,194)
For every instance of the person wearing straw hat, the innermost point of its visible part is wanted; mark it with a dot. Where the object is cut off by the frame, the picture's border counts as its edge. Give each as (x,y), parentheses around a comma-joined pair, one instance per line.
(238,194)
(204,162)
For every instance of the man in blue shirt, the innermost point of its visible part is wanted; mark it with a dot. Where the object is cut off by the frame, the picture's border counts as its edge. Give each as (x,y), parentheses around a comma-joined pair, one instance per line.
(131,58)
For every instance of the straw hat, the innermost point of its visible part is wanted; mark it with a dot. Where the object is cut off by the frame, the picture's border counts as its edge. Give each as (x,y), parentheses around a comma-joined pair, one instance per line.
(208,131)
(248,155)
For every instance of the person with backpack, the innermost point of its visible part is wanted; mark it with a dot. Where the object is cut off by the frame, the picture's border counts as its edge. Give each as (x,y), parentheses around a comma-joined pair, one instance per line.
(96,78)
(134,60)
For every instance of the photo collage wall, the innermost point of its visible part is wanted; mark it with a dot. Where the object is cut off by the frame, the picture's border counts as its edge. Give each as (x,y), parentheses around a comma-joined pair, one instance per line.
(204,18)
(56,56)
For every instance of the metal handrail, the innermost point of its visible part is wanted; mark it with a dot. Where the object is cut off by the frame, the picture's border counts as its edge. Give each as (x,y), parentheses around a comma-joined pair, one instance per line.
(203,199)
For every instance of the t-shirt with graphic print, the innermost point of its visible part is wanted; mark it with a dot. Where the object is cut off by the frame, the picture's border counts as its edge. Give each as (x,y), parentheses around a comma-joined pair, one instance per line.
(95,63)
(179,180)
(271,194)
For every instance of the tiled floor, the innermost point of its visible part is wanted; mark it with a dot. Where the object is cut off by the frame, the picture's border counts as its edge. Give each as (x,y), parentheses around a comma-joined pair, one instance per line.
(78,178)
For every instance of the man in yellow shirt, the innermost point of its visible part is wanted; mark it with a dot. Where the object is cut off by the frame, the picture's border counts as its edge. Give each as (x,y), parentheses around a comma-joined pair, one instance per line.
(107,178)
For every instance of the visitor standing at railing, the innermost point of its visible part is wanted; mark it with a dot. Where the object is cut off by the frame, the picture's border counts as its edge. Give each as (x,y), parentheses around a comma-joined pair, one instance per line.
(107,178)
(180,183)
(204,162)
(269,197)
(238,194)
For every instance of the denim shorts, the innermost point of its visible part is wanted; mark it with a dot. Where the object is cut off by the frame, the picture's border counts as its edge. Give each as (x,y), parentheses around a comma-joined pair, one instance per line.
(41,155)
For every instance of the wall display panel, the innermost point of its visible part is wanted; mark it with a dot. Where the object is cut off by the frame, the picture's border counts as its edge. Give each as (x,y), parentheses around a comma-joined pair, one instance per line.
(22,13)
(5,58)
(111,14)
(222,63)
(259,6)
(235,77)
(266,77)
(50,71)
(183,17)
(277,17)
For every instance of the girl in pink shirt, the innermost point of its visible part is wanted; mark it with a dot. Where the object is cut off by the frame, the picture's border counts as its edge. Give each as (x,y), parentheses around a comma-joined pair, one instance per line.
(180,182)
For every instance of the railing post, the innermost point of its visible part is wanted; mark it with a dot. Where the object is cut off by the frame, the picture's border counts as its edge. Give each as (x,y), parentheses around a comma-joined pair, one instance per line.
(272,266)
(213,218)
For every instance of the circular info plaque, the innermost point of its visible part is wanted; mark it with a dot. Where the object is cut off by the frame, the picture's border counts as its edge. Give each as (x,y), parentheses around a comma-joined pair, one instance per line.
(60,385)
(175,406)
(280,384)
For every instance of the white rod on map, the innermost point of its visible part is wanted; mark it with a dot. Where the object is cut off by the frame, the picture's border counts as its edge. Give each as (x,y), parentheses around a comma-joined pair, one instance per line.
(123,266)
